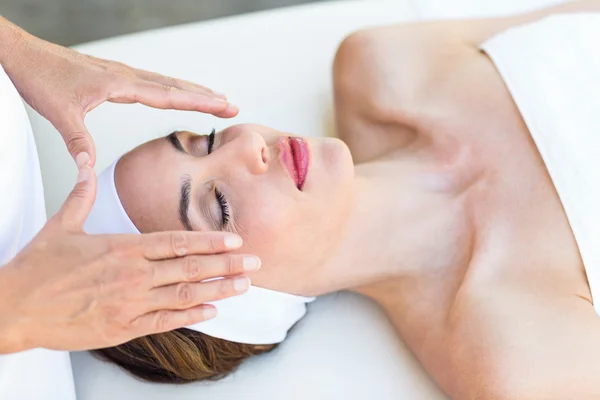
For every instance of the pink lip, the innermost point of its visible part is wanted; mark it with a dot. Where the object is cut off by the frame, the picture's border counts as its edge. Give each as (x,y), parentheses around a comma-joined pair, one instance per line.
(295,157)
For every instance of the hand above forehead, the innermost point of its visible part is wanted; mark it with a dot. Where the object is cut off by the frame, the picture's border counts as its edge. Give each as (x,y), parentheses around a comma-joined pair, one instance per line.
(64,85)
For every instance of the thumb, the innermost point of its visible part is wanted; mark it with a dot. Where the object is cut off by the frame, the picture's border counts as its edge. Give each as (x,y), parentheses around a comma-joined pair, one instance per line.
(78,141)
(78,205)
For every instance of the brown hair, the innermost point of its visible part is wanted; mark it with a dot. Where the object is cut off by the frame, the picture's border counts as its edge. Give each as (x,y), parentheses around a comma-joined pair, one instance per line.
(181,356)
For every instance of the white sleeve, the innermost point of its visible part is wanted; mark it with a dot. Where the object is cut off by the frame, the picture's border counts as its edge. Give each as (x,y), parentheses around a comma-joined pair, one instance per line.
(35,374)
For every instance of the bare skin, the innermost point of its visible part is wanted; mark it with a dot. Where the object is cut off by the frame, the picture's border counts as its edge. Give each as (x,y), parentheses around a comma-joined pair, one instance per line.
(500,307)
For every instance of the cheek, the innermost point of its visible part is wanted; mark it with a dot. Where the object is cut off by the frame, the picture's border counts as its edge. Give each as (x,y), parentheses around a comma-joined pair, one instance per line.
(264,228)
(283,230)
(276,232)
(289,240)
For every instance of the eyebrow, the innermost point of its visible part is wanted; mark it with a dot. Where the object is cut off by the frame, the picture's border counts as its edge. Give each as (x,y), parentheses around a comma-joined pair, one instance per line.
(184,201)
(175,142)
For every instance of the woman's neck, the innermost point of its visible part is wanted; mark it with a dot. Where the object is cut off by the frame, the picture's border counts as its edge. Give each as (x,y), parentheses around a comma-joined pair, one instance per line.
(408,219)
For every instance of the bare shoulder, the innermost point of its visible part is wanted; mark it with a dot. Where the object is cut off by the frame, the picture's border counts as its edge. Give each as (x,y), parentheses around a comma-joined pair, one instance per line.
(392,82)
(395,83)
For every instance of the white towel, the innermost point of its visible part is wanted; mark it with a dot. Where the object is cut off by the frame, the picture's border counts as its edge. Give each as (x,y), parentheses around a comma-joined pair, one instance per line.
(552,69)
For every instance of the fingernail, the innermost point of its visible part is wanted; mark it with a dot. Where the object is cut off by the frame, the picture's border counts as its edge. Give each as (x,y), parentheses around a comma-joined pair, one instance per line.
(251,263)
(233,242)
(241,284)
(82,159)
(84,174)
(210,312)
(231,109)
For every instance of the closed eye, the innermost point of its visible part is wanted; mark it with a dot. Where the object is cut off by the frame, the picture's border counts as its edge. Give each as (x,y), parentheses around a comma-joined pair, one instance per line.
(224,205)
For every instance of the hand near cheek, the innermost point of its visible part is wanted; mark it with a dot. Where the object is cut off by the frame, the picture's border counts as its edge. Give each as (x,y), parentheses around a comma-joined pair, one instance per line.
(64,85)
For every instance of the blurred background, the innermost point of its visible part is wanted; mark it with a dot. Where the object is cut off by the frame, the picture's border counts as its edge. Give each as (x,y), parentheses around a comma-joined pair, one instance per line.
(70,22)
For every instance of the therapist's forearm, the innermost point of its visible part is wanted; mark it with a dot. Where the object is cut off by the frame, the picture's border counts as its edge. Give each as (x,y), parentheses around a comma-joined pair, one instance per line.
(10,35)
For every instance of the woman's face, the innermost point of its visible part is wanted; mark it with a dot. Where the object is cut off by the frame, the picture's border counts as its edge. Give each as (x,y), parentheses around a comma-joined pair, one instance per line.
(287,197)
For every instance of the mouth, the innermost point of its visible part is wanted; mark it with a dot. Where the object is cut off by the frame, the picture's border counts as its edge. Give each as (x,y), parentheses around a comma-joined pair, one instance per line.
(295,157)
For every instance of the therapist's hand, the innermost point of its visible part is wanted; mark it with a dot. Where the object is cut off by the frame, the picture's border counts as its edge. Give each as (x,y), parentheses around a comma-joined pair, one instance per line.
(64,85)
(71,291)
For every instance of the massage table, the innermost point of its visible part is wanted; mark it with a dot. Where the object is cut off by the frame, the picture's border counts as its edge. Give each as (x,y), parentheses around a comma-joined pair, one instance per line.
(276,65)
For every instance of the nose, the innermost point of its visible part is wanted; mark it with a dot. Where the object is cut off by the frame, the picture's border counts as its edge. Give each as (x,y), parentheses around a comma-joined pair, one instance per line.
(250,149)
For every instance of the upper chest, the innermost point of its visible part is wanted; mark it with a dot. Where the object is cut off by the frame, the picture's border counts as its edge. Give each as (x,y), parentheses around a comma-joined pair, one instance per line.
(471,130)
(485,149)
(524,236)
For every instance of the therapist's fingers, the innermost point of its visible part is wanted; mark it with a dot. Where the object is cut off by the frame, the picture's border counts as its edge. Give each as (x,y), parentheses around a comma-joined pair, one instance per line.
(200,268)
(161,96)
(177,83)
(78,205)
(78,139)
(166,245)
(188,295)
(165,321)
(176,306)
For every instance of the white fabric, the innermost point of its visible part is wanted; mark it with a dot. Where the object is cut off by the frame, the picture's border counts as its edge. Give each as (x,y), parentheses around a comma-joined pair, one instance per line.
(35,374)
(551,69)
(277,67)
(259,316)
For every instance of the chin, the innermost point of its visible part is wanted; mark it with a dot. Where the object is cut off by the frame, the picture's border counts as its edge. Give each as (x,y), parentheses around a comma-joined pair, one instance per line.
(331,164)
(337,157)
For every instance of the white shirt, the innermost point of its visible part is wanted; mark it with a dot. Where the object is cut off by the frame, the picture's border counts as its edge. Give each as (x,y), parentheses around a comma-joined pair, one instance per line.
(35,374)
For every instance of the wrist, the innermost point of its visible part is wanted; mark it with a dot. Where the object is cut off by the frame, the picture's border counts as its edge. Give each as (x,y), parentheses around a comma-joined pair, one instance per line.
(10,36)
(12,339)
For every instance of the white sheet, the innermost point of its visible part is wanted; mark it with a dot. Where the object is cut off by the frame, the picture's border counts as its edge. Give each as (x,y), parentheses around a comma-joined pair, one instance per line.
(551,69)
